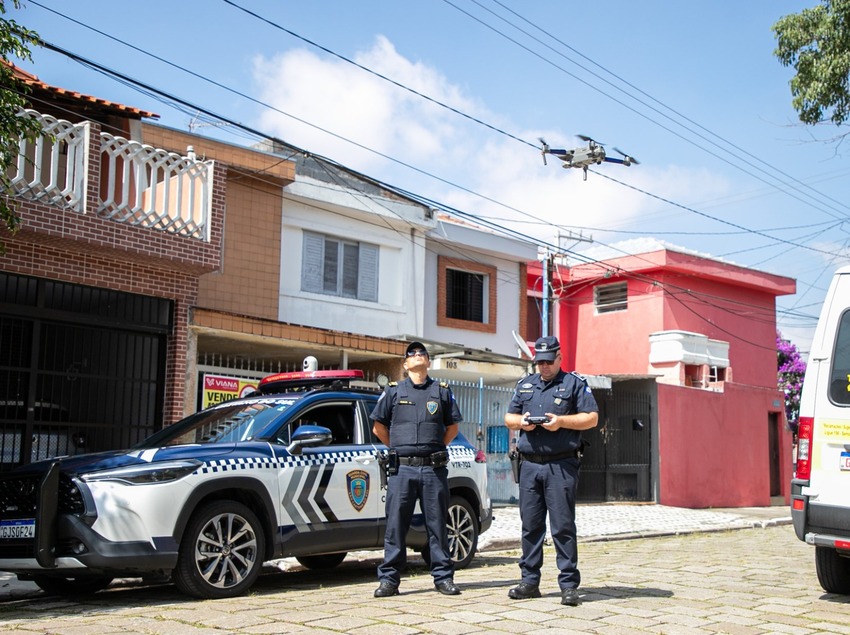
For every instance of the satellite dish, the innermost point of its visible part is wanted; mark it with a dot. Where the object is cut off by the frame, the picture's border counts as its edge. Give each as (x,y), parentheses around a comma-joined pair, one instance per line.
(522,345)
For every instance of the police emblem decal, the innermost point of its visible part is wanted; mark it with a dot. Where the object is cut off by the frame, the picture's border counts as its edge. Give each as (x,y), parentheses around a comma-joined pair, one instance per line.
(358,488)
(432,407)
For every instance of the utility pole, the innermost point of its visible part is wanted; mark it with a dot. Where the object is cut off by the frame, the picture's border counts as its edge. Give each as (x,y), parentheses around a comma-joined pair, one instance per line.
(547,294)
(548,271)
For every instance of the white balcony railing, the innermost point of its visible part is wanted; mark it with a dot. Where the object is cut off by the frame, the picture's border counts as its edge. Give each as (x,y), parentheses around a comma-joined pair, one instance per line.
(139,184)
(52,169)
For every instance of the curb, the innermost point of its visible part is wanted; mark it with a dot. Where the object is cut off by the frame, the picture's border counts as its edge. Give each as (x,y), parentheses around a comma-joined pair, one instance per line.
(508,544)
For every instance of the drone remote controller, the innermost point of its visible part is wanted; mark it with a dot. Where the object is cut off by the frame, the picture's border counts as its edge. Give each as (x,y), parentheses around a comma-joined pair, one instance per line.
(536,421)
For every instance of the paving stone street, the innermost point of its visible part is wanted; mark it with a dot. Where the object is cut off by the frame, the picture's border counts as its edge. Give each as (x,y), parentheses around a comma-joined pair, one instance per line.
(743,582)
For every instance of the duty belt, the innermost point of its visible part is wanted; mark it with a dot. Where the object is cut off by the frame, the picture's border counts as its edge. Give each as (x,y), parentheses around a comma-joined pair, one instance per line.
(549,458)
(416,461)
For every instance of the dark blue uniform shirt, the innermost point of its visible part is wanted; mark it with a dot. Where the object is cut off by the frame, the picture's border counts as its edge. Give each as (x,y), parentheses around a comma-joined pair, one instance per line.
(566,394)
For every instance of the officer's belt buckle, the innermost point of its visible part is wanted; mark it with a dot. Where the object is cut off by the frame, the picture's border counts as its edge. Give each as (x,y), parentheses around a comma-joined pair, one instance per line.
(415,461)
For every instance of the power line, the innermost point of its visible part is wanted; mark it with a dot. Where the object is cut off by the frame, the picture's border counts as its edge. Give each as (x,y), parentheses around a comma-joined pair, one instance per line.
(843,215)
(146,90)
(258,134)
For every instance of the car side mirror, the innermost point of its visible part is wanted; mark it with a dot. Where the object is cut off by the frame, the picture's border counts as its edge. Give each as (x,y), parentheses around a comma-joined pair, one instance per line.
(309,437)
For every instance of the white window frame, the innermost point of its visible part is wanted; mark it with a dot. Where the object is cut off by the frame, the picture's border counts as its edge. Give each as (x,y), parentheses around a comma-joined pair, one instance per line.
(326,263)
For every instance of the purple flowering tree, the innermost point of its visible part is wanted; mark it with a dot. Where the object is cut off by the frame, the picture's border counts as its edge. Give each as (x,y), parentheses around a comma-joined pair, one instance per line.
(790,371)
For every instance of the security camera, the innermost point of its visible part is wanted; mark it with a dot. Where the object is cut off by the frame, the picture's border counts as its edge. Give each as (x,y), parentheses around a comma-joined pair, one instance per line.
(310,364)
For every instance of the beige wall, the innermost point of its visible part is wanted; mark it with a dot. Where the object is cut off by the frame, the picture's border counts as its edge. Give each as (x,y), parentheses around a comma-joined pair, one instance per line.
(248,282)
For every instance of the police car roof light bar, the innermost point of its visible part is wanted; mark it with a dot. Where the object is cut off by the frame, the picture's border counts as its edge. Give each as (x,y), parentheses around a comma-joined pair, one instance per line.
(283,382)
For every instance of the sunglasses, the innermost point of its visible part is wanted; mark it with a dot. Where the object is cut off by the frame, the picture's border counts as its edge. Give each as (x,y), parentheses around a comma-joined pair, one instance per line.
(544,362)
(417,353)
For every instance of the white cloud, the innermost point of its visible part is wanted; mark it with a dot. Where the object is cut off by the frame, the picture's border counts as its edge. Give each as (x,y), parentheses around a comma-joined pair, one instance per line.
(356,105)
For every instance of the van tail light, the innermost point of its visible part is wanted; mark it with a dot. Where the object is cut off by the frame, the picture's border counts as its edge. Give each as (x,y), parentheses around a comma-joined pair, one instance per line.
(480,457)
(804,448)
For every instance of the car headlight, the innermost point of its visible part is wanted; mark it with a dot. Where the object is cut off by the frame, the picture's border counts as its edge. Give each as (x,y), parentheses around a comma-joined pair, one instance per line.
(147,473)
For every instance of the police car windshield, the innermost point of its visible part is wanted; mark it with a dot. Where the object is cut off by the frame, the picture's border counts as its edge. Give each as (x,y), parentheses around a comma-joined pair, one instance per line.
(227,423)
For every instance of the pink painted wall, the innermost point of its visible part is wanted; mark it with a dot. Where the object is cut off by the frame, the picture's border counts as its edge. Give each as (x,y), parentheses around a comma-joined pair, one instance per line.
(611,343)
(720,307)
(714,448)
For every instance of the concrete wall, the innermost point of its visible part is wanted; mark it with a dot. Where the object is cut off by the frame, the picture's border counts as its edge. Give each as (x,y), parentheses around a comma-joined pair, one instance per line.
(714,447)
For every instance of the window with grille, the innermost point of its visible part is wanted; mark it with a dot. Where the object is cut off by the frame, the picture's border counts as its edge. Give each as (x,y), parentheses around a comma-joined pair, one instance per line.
(610,297)
(335,266)
(467,295)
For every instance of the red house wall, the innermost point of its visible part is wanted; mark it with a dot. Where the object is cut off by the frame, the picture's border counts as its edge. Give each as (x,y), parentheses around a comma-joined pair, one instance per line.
(618,342)
(610,343)
(714,449)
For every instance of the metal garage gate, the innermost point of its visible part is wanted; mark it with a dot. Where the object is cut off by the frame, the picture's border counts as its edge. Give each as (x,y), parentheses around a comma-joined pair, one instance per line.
(81,368)
(616,465)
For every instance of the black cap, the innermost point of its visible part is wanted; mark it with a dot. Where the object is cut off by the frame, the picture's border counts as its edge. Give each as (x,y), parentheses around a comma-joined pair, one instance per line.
(415,346)
(546,349)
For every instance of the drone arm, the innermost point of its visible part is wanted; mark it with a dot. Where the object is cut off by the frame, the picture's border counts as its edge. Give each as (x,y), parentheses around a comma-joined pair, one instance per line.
(627,161)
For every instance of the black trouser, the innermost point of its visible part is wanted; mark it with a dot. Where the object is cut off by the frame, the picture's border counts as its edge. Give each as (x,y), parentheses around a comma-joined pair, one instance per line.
(549,488)
(430,487)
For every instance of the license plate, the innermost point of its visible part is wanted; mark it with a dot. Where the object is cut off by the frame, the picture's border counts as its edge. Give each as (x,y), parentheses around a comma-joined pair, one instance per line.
(10,529)
(844,462)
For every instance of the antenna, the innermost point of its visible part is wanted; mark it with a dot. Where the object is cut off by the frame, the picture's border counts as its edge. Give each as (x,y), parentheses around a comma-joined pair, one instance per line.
(195,123)
(522,345)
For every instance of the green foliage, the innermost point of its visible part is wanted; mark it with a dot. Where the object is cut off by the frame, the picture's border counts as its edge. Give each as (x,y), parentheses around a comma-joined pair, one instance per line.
(14,42)
(816,43)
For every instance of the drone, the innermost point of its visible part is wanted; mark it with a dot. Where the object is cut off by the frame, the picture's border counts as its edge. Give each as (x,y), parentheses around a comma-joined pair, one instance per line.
(591,154)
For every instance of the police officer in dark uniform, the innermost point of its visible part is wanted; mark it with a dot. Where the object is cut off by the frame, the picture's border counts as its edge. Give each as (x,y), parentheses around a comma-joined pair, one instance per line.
(550,409)
(417,418)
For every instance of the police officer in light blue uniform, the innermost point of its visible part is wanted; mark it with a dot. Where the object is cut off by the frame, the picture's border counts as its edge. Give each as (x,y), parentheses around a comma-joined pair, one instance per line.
(417,418)
(551,452)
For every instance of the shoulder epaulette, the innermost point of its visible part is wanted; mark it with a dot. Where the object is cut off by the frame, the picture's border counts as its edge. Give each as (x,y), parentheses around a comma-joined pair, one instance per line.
(444,384)
(577,375)
(392,383)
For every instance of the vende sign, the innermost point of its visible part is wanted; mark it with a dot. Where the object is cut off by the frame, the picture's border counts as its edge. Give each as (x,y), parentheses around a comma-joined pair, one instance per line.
(220,388)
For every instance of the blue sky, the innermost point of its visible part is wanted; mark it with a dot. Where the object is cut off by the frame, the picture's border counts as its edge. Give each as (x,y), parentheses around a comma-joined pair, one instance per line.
(691,89)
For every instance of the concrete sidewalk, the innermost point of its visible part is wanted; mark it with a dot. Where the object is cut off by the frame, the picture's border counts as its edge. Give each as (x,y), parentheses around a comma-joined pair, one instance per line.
(618,521)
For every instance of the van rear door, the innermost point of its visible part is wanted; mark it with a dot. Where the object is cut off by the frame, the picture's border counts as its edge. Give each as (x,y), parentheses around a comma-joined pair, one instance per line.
(826,398)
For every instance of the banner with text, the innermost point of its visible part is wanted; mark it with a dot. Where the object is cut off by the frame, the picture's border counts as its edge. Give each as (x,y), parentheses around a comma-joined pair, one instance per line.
(220,388)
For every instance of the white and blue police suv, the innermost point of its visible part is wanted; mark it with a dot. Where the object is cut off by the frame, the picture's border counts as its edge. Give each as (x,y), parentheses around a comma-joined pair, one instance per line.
(291,472)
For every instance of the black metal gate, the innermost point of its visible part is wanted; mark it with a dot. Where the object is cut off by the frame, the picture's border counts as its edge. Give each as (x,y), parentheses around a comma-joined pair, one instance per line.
(81,369)
(616,465)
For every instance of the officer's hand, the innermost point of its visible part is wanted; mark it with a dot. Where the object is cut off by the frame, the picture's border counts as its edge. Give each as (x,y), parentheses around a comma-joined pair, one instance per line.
(553,423)
(524,425)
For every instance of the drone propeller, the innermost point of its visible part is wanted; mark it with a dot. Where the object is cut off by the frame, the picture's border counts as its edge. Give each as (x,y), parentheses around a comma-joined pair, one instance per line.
(544,148)
(589,140)
(627,160)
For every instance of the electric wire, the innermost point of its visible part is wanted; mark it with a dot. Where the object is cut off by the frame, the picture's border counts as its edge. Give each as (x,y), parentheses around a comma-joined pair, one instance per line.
(134,82)
(644,93)
(356,144)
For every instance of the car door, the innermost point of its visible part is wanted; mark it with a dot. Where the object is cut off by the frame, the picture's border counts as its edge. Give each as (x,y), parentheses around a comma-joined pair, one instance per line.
(331,497)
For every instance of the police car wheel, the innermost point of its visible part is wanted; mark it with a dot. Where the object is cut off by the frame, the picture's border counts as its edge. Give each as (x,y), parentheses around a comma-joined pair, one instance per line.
(463,531)
(222,551)
(71,586)
(833,570)
(324,561)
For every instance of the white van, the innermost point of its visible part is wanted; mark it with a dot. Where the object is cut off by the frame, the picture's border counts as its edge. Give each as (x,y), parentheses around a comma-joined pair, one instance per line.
(820,489)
